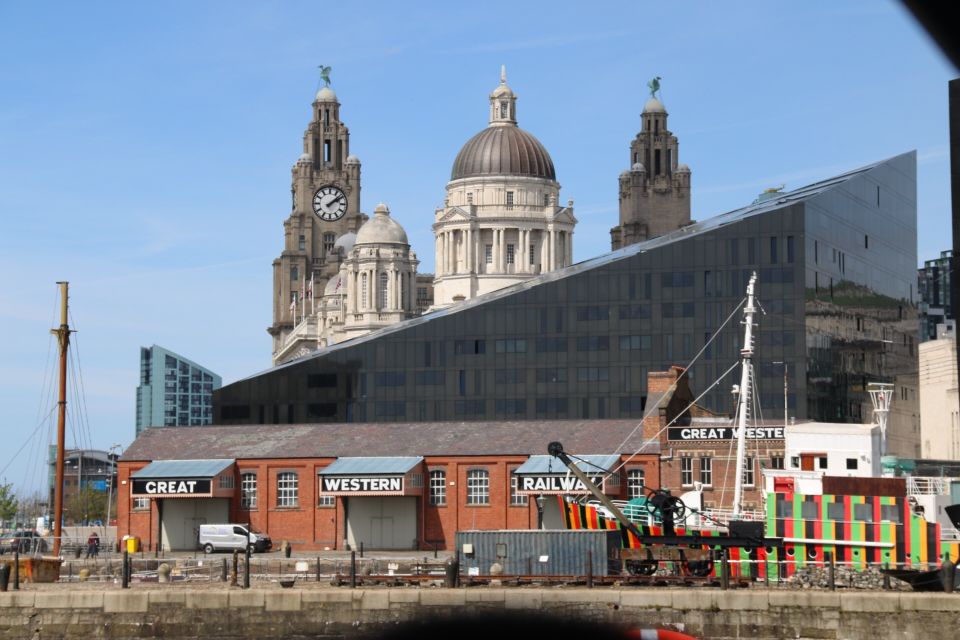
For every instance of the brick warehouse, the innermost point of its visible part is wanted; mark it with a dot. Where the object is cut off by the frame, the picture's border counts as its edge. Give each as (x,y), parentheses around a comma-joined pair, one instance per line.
(386,485)
(698,448)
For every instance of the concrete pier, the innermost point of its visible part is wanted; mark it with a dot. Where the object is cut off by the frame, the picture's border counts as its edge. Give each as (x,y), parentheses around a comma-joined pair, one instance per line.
(314,611)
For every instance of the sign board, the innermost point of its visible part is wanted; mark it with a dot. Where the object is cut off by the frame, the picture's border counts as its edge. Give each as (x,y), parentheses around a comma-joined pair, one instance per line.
(554,483)
(171,487)
(723,433)
(361,484)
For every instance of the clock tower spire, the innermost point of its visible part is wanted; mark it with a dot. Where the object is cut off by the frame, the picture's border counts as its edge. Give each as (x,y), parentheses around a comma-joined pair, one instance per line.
(325,193)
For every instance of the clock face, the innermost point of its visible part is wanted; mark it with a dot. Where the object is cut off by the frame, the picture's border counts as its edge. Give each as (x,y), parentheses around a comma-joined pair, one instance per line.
(329,203)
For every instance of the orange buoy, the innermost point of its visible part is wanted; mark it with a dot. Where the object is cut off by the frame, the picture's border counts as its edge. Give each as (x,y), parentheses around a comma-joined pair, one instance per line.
(658,634)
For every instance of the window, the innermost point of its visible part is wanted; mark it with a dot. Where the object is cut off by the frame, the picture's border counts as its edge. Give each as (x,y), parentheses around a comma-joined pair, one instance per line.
(773,250)
(676,279)
(633,343)
(478,486)
(488,254)
(518,345)
(509,199)
(302,244)
(390,378)
(686,471)
(635,483)
(510,406)
(288,489)
(226,482)
(509,254)
(551,375)
(593,374)
(851,463)
(593,343)
(790,254)
(706,471)
(475,347)
(140,504)
(531,254)
(470,197)
(321,381)
(363,291)
(890,513)
(593,313)
(329,239)
(390,408)
(382,291)
(822,462)
(438,488)
(863,512)
(866,242)
(516,499)
(429,378)
(776,462)
(634,311)
(508,376)
(809,511)
(551,345)
(503,114)
(836,512)
(294,273)
(748,472)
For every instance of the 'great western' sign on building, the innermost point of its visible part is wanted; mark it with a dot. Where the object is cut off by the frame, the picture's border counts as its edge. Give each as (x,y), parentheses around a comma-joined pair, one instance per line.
(364,484)
(171,487)
(724,433)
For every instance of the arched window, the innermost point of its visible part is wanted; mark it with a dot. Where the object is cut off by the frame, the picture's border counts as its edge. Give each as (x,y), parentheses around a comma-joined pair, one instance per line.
(363,291)
(438,487)
(248,491)
(478,486)
(382,291)
(328,241)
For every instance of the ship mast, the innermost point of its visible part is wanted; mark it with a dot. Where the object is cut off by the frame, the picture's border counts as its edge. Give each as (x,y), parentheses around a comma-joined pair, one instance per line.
(63,338)
(746,359)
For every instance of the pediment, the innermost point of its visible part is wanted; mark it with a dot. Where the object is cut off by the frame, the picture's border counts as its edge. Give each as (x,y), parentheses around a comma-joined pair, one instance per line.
(455,214)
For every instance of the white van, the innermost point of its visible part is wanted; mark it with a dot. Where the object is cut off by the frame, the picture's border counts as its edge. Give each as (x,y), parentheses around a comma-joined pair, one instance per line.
(227,537)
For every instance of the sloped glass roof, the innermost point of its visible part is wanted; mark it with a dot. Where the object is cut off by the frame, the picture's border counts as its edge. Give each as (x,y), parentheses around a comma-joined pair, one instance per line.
(183,469)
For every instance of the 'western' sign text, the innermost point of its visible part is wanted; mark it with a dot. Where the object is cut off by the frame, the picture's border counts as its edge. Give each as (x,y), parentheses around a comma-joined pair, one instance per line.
(361,485)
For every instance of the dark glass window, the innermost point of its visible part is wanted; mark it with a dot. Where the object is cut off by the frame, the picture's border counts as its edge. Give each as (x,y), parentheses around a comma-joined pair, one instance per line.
(510,407)
(676,309)
(551,375)
(469,407)
(428,378)
(390,408)
(593,343)
(593,313)
(773,250)
(322,410)
(511,345)
(634,311)
(592,374)
(551,406)
(631,343)
(390,378)
(734,251)
(508,376)
(790,255)
(632,405)
(751,250)
(677,279)
(321,380)
(551,345)
(470,347)
(835,511)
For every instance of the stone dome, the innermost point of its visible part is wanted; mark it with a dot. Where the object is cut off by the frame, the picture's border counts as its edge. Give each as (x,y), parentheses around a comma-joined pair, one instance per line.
(682,168)
(503,151)
(381,229)
(304,158)
(352,159)
(654,106)
(346,241)
(333,286)
(638,166)
(326,94)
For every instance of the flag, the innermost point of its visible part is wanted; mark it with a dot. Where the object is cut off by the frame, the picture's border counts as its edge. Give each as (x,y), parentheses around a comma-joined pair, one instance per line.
(310,287)
(293,303)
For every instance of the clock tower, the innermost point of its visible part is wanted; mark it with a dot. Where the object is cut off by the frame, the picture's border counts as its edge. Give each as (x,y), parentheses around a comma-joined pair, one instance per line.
(325,193)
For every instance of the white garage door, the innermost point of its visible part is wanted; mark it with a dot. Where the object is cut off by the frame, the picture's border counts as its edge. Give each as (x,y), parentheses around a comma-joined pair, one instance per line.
(182,518)
(382,522)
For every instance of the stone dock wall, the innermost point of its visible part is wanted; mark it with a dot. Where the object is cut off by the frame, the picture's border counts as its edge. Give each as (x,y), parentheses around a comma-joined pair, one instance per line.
(233,614)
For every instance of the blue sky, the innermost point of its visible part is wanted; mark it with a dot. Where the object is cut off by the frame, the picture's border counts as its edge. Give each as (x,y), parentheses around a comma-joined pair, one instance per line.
(145,148)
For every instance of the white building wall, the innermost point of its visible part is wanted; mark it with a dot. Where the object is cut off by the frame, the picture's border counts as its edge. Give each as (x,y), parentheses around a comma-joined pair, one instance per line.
(939,402)
(840,443)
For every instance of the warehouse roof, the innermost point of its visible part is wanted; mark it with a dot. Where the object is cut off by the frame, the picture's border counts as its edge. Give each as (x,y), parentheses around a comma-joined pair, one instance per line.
(526,437)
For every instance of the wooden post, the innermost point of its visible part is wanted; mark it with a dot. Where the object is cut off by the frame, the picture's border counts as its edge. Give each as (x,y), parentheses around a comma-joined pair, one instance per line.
(724,569)
(831,572)
(63,338)
(353,569)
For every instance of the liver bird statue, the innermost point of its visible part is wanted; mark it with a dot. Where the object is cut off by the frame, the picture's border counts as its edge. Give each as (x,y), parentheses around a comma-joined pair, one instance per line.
(654,86)
(325,75)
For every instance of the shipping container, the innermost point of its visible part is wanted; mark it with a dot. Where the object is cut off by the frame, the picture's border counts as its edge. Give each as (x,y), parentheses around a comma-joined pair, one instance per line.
(544,552)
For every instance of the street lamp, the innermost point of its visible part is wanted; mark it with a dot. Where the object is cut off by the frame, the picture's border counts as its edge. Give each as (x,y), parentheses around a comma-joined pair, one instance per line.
(113,470)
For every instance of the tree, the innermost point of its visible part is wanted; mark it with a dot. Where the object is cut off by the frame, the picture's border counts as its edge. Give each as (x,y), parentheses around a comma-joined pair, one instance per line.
(85,506)
(8,503)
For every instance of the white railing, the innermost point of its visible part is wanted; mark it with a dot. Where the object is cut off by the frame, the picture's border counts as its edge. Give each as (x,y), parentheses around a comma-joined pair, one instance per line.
(929,485)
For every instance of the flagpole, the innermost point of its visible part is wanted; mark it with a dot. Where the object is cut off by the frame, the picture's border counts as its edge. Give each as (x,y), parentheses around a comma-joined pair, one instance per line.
(303,296)
(313,295)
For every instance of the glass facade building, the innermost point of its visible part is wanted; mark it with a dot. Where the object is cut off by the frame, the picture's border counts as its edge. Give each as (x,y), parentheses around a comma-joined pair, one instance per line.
(836,265)
(173,391)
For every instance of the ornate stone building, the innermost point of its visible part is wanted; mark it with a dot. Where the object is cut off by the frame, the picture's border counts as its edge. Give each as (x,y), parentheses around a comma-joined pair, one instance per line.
(501,222)
(326,205)
(655,191)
